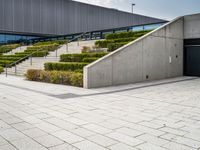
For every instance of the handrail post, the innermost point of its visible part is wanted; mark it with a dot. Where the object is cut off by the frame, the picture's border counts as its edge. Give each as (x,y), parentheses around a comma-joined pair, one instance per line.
(15,69)
(31,60)
(45,54)
(78,42)
(6,71)
(67,48)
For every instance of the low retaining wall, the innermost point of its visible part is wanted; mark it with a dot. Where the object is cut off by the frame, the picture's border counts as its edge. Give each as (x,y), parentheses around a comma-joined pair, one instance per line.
(157,55)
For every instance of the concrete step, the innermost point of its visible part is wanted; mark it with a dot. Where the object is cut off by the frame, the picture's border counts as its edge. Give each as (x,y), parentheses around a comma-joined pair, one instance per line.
(38,62)
(19,49)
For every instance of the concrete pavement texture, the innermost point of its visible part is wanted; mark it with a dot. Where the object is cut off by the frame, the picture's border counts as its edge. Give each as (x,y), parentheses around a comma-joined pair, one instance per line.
(158,115)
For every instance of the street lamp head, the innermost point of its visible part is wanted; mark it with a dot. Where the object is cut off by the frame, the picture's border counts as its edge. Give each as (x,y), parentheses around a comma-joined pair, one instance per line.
(133,6)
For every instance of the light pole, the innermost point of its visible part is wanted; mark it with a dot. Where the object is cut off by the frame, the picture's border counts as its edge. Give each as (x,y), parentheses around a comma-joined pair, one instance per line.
(132,5)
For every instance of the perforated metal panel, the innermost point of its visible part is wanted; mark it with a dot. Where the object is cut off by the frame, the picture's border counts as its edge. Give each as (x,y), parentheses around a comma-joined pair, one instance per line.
(59,17)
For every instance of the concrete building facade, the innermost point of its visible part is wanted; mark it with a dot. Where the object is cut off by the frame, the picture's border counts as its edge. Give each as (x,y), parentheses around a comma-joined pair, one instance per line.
(158,55)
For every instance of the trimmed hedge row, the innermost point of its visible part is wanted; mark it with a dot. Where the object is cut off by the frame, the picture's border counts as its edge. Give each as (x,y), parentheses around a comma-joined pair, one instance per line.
(4,62)
(36,54)
(50,47)
(10,58)
(1,69)
(127,34)
(117,40)
(114,46)
(68,66)
(90,59)
(59,42)
(40,51)
(105,43)
(73,63)
(56,77)
(8,48)
(80,57)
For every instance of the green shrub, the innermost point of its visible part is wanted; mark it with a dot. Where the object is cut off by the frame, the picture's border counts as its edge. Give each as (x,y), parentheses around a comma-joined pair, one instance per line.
(56,77)
(76,79)
(90,59)
(36,51)
(1,69)
(51,47)
(80,57)
(8,48)
(105,43)
(86,49)
(10,58)
(127,34)
(3,63)
(78,71)
(114,46)
(33,74)
(59,42)
(70,66)
(116,40)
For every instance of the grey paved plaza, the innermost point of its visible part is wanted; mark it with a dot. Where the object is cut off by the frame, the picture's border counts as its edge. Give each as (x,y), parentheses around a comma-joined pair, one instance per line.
(161,115)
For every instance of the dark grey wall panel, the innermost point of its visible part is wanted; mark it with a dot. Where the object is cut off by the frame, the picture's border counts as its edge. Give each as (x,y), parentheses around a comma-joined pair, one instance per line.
(27,16)
(18,15)
(48,18)
(59,17)
(8,15)
(36,15)
(1,14)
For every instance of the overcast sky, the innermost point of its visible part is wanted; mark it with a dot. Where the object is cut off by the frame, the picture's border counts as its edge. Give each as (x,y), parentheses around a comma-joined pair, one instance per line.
(164,9)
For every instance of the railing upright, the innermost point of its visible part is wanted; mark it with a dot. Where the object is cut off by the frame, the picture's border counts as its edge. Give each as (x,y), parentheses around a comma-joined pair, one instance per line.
(15,69)
(78,42)
(67,47)
(31,60)
(6,71)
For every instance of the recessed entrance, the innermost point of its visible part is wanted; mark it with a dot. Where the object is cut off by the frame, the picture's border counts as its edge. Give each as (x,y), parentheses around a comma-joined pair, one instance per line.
(192,57)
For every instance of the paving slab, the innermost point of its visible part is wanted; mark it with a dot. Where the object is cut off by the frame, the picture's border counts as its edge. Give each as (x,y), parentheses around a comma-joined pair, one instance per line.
(158,115)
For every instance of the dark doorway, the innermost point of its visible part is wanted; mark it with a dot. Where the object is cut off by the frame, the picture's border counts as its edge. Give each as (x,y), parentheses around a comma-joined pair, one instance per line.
(192,57)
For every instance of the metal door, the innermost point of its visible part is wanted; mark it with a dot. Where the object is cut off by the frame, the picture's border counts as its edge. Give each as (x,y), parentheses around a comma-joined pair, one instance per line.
(192,60)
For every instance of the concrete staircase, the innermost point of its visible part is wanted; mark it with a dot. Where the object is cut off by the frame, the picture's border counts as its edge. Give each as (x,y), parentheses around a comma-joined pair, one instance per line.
(38,62)
(19,49)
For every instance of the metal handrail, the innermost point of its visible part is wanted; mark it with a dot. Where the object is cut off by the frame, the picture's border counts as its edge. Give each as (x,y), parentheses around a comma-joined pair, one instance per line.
(30,55)
(11,64)
(76,38)
(16,62)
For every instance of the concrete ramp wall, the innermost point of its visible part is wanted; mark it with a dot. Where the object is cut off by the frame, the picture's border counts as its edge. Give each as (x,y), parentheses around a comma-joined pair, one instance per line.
(157,55)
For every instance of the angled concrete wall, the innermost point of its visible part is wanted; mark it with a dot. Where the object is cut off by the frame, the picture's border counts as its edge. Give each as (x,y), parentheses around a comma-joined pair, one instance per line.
(157,55)
(192,26)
